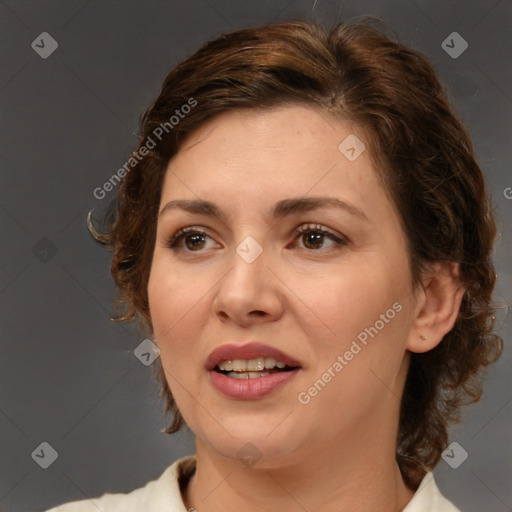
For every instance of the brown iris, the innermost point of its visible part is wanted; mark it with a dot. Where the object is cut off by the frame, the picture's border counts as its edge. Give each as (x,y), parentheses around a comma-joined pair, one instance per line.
(313,239)
(195,242)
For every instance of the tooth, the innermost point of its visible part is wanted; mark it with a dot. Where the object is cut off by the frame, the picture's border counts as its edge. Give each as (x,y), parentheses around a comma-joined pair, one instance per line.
(247,375)
(256,364)
(252,365)
(239,365)
(239,375)
(270,362)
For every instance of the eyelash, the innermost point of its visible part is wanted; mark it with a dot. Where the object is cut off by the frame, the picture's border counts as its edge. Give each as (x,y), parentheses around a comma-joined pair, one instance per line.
(317,228)
(304,228)
(174,239)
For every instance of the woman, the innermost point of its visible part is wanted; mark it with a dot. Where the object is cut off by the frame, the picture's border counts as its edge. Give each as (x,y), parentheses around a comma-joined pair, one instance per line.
(306,235)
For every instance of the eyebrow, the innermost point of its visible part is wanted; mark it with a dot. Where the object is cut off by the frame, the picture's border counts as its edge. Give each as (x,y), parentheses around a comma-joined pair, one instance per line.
(281,209)
(194,206)
(306,204)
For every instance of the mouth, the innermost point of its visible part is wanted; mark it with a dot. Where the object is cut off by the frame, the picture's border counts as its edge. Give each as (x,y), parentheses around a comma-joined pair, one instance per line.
(256,368)
(250,371)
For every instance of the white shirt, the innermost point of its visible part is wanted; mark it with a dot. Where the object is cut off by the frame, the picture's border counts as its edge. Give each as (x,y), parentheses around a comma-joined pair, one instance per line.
(164,495)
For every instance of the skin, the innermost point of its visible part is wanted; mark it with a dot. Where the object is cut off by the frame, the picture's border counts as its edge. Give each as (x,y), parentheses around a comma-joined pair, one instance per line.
(336,453)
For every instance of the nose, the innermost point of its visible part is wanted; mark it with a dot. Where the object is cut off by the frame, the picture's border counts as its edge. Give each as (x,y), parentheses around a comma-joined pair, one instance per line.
(248,294)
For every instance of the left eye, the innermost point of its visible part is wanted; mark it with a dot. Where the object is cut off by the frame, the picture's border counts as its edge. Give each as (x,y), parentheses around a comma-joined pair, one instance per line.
(316,238)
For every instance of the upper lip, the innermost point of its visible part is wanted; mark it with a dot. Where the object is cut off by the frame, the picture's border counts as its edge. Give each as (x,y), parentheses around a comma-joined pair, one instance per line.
(251,350)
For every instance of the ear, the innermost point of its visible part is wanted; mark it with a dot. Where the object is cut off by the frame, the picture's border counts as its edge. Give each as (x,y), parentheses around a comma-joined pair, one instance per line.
(438,300)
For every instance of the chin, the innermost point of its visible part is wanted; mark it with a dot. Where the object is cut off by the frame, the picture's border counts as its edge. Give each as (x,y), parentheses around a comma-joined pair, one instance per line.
(253,443)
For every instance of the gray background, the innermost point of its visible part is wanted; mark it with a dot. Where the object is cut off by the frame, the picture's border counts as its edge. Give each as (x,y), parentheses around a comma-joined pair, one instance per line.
(68,377)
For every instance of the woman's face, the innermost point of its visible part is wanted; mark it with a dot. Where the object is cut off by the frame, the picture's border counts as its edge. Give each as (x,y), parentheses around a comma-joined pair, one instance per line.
(292,253)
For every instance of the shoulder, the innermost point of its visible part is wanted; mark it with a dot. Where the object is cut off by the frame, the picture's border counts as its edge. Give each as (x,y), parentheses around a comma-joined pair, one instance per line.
(428,498)
(160,494)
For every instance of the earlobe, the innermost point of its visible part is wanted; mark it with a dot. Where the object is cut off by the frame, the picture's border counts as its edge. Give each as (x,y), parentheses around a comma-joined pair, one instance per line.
(438,304)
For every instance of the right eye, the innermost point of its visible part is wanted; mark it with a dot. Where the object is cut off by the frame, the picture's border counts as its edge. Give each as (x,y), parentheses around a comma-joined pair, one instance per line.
(190,240)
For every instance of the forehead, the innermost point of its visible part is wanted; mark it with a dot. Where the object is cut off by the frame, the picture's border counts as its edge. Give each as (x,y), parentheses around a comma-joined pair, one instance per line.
(289,151)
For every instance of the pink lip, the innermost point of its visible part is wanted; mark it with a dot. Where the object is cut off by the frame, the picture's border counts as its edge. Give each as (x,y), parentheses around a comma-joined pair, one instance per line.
(249,389)
(252,350)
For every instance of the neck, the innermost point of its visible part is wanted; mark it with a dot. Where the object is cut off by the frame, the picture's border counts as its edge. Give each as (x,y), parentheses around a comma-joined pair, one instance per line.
(361,476)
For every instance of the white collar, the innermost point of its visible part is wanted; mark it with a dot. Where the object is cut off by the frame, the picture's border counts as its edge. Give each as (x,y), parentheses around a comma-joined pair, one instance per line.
(165,494)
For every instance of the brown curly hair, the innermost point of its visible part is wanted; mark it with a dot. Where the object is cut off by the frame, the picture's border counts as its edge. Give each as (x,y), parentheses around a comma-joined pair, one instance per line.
(356,72)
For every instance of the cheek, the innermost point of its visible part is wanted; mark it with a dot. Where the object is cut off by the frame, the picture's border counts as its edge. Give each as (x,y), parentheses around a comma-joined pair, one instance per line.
(178,311)
(177,304)
(349,295)
(171,292)
(358,343)
(362,302)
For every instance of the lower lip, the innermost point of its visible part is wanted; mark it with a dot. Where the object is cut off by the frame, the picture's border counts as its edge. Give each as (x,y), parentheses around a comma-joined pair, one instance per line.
(251,389)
